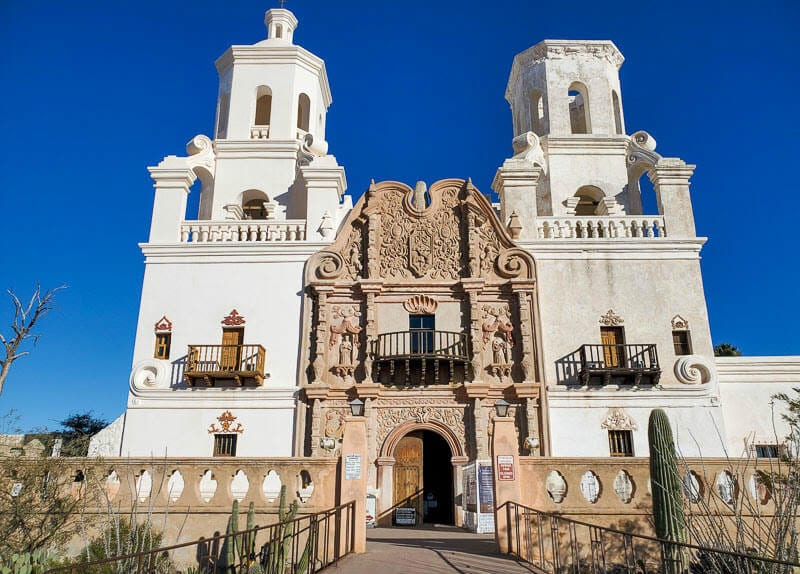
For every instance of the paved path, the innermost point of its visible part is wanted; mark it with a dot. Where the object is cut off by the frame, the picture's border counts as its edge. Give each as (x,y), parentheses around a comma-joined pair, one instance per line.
(429,550)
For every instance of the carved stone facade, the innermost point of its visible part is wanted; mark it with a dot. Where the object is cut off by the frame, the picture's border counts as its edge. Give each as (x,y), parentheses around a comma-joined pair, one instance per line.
(439,255)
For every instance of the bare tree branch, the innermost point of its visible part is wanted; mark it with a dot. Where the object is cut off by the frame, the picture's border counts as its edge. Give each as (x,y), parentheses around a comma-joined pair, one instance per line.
(25,319)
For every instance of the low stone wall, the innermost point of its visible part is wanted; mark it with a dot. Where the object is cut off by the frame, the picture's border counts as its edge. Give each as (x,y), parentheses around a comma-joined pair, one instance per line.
(595,490)
(190,498)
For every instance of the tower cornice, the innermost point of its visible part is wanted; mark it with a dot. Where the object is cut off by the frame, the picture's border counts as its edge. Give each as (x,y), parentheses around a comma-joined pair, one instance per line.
(291,54)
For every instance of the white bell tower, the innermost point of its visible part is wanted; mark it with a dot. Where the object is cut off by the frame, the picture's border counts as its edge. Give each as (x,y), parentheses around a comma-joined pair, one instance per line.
(273,98)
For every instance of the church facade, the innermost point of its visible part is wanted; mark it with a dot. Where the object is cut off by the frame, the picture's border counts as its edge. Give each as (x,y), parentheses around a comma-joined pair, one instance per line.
(265,316)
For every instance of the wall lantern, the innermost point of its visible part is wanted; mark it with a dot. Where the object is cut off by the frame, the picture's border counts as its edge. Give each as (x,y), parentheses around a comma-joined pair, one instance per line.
(357,408)
(501,408)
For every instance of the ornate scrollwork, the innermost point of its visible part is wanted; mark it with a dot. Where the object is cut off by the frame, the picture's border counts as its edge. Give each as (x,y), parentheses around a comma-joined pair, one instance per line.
(694,370)
(641,150)
(329,265)
(512,263)
(618,419)
(611,319)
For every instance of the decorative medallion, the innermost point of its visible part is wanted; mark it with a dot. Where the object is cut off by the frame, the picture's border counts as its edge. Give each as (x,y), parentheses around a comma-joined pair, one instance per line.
(623,487)
(618,419)
(163,325)
(233,319)
(421,305)
(590,487)
(556,486)
(726,487)
(691,486)
(226,420)
(679,323)
(611,319)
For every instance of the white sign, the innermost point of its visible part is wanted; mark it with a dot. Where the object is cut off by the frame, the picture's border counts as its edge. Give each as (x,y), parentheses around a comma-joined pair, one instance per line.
(352,467)
(16,489)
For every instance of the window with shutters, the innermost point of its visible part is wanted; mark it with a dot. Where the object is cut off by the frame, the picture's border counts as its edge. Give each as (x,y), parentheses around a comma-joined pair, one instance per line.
(225,444)
(682,342)
(163,341)
(620,442)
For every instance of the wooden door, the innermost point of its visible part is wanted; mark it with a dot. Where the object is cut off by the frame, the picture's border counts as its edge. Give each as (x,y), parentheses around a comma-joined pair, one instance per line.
(613,339)
(408,474)
(231,353)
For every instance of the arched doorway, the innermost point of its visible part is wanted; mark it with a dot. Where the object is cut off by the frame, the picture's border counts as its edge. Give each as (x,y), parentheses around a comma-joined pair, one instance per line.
(423,479)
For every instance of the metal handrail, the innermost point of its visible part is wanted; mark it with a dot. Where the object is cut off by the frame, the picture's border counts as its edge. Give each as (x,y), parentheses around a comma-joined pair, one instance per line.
(330,535)
(554,543)
(422,343)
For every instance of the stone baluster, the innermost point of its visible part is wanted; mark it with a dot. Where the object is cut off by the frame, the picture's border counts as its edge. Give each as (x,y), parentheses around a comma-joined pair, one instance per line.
(373,253)
(316,426)
(532,419)
(475,336)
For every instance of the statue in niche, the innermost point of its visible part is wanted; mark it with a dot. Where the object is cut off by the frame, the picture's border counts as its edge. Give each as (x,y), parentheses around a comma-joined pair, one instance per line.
(345,334)
(346,351)
(498,330)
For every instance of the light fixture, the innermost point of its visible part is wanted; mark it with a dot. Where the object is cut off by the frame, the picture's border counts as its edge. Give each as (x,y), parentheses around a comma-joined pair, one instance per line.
(357,408)
(500,407)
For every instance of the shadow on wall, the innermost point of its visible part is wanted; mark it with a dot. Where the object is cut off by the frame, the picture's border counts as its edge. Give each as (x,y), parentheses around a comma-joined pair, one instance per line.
(176,379)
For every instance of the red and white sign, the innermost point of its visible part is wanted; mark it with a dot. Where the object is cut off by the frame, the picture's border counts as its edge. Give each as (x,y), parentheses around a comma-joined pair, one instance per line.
(505,467)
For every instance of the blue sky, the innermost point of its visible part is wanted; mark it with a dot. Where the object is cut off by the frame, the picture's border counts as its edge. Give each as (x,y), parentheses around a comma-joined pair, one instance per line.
(93,92)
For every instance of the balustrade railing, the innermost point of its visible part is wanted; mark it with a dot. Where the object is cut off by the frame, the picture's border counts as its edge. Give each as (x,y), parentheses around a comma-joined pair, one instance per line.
(420,352)
(304,545)
(555,544)
(601,227)
(243,231)
(225,361)
(416,344)
(259,132)
(619,360)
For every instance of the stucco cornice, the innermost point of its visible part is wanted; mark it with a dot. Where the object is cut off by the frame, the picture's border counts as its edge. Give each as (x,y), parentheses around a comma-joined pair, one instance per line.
(758,369)
(621,249)
(229,253)
(291,54)
(583,144)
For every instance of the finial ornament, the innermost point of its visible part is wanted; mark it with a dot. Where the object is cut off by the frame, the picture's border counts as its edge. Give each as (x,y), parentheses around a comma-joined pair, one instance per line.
(282,2)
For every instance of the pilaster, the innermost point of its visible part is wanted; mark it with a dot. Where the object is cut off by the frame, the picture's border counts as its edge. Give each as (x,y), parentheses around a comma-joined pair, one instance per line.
(670,178)
(172,179)
(516,183)
(325,184)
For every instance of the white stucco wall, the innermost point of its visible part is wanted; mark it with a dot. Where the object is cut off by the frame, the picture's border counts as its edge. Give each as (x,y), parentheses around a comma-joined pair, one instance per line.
(746,387)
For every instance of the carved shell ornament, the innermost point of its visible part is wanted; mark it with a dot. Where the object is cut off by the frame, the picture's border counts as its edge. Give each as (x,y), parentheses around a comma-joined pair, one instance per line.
(421,305)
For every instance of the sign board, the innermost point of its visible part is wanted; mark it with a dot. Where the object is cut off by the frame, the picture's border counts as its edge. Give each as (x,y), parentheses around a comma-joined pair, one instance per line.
(485,489)
(16,489)
(352,467)
(479,497)
(372,510)
(405,516)
(505,467)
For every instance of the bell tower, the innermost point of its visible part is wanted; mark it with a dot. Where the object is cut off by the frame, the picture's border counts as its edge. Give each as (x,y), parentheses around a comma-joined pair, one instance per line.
(271,107)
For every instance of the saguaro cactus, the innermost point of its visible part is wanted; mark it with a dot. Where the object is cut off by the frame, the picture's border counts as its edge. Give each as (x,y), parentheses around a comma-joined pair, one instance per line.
(665,481)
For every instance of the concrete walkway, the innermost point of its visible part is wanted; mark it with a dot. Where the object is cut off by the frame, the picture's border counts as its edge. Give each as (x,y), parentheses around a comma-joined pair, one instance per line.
(428,550)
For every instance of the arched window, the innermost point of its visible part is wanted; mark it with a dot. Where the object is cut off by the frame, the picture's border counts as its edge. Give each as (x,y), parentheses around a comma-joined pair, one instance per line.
(537,113)
(578,98)
(263,106)
(303,112)
(279,31)
(589,201)
(617,113)
(255,205)
(222,116)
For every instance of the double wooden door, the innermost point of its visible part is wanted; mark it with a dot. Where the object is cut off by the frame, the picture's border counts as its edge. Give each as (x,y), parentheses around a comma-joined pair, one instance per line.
(408,478)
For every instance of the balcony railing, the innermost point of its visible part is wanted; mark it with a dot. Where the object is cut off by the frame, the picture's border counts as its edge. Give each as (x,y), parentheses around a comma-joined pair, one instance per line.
(601,227)
(214,365)
(629,363)
(420,352)
(239,231)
